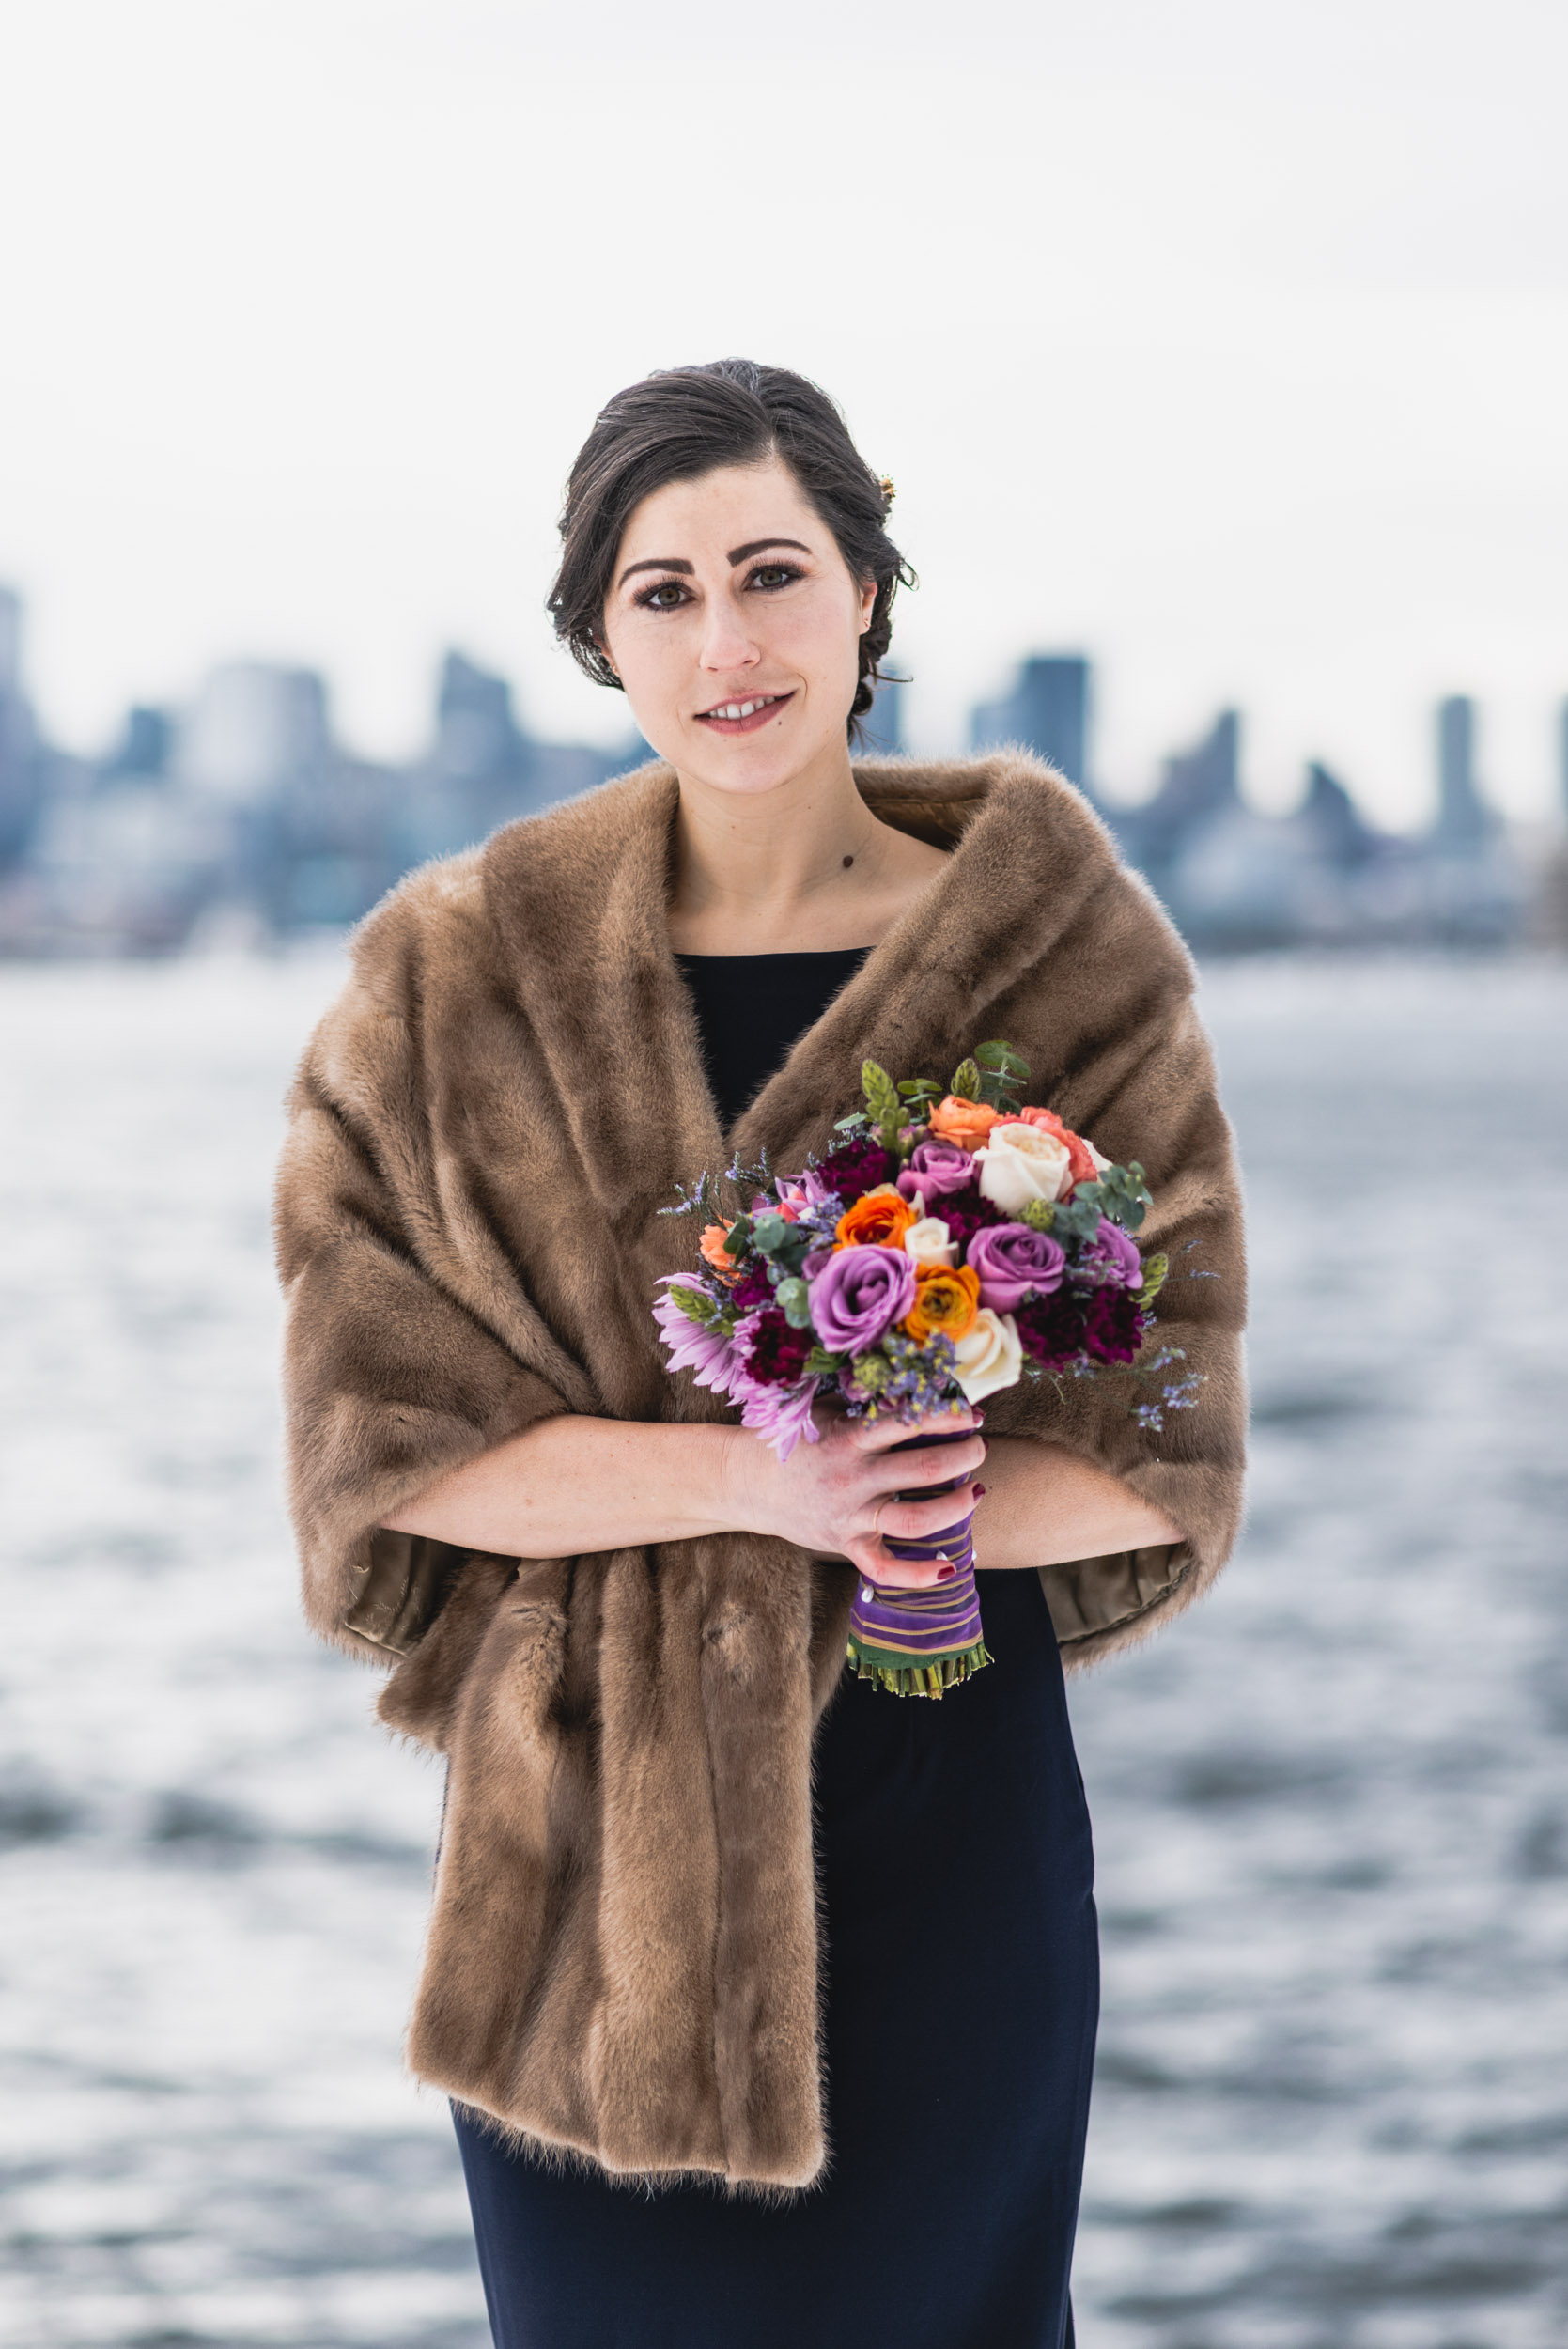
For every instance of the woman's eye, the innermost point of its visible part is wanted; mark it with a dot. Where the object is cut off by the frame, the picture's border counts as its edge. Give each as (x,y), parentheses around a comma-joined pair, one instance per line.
(770,575)
(667,597)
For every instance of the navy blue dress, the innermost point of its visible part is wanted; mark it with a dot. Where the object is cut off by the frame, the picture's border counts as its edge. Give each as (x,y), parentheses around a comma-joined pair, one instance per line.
(961,1973)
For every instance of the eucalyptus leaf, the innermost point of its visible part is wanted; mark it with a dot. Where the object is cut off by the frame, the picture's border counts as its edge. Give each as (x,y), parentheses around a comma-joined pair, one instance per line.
(795,1299)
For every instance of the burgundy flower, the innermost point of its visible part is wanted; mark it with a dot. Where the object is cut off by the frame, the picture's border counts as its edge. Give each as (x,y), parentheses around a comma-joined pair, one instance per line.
(856,1167)
(778,1353)
(1113,1329)
(752,1289)
(1051,1330)
(964,1213)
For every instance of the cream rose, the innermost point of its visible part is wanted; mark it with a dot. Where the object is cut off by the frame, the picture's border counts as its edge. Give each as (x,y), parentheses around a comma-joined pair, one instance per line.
(929,1241)
(1022,1162)
(989,1355)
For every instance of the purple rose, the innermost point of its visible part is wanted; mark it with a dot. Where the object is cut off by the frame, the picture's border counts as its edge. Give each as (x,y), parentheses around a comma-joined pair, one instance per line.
(859,1295)
(1012,1261)
(936,1168)
(1112,1258)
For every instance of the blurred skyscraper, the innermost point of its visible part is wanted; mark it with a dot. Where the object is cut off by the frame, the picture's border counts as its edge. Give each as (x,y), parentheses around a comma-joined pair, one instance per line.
(21,782)
(1464,819)
(1047,711)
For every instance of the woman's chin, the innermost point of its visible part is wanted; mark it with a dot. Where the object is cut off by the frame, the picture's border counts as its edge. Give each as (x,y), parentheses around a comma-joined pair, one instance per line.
(753,764)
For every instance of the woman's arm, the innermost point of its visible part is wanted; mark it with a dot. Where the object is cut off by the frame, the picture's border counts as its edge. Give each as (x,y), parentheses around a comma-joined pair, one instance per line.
(1045,1505)
(576,1484)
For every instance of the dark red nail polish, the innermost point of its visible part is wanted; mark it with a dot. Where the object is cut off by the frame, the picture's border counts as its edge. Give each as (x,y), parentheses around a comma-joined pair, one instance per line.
(945,1574)
(980,1492)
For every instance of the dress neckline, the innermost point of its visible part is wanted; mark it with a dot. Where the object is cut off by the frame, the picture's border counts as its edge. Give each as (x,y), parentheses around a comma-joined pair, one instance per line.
(796,954)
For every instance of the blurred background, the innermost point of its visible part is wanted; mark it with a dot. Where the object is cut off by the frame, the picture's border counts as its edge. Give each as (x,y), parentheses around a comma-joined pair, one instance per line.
(1221,357)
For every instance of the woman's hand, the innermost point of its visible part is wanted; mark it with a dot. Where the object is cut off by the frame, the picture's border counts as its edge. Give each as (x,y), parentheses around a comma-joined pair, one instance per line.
(837,1496)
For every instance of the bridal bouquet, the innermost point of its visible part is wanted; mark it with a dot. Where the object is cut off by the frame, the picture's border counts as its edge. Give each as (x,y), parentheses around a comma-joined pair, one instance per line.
(947,1245)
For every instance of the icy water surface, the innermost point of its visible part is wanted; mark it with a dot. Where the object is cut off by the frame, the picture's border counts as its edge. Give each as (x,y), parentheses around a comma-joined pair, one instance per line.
(1331,1806)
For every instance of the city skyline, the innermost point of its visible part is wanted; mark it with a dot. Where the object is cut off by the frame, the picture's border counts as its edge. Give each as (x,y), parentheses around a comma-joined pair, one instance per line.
(246,812)
(1232,346)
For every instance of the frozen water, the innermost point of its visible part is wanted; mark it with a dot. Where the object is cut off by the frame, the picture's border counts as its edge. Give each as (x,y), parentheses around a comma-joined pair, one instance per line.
(1331,1806)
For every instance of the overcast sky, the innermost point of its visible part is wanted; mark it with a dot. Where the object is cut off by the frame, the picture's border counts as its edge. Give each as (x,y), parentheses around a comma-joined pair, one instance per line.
(1225,340)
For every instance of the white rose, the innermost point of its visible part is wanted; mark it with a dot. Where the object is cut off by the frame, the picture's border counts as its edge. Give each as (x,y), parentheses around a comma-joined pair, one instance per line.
(929,1241)
(1019,1163)
(989,1355)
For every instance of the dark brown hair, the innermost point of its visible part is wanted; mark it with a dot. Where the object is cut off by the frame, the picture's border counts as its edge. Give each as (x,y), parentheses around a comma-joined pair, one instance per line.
(683,422)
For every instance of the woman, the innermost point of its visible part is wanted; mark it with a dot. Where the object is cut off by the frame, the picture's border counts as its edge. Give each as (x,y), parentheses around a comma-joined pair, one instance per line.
(620,1616)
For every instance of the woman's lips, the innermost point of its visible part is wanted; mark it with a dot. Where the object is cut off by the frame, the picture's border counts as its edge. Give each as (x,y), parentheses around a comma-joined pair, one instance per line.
(760,709)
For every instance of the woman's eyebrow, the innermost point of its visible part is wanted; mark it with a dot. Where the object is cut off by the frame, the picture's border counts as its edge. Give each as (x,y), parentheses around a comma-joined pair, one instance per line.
(755,546)
(659,563)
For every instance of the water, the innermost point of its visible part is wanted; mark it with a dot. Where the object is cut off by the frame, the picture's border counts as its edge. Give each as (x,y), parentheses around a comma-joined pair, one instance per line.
(1331,1806)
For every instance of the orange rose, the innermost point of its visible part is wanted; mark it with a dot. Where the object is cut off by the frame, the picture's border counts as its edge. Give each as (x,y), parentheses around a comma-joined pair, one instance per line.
(966,1123)
(1080,1158)
(879,1219)
(714,1250)
(946,1303)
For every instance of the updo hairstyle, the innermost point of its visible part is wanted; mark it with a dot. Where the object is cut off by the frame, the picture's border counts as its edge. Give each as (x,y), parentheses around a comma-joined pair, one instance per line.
(683,422)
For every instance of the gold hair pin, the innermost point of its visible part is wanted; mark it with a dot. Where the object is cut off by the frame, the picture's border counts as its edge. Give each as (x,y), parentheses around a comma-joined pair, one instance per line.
(887,493)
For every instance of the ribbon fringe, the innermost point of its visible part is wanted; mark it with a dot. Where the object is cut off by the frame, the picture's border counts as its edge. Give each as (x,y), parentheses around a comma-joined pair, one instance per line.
(916,1680)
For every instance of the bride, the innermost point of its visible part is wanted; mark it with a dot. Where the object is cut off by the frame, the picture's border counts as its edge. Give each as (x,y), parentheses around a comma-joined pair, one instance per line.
(766,2001)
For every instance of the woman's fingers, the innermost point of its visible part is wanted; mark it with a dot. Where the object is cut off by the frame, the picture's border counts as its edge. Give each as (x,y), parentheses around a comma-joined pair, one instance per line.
(880,1434)
(874,1560)
(923,1520)
(907,1470)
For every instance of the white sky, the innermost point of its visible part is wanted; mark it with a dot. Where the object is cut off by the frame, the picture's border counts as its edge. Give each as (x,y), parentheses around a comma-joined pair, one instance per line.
(1225,340)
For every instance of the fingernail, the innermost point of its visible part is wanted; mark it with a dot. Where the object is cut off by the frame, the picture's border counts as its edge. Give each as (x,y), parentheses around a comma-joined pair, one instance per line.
(979,1493)
(945,1574)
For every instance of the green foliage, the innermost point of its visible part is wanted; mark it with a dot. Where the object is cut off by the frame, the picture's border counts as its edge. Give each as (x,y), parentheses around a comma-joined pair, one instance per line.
(857,1123)
(1154,1271)
(1124,1195)
(966,1081)
(769,1231)
(881,1098)
(917,1091)
(1001,1072)
(795,1298)
(1079,1218)
(698,1306)
(738,1244)
(820,1364)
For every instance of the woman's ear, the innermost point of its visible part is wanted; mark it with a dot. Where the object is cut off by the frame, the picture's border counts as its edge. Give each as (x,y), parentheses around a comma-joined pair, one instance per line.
(868,603)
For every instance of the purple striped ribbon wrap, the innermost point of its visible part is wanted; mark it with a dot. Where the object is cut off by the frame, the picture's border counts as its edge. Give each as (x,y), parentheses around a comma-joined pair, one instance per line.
(920,1643)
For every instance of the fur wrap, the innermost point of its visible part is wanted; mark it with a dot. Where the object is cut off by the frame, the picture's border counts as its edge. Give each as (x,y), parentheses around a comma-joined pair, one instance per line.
(622,1959)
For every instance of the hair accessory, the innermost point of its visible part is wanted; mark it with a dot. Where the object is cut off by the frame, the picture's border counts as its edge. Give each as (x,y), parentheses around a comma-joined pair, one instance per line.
(887,493)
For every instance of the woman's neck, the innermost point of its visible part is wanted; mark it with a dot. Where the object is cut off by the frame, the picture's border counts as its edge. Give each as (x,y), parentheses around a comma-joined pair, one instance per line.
(803,868)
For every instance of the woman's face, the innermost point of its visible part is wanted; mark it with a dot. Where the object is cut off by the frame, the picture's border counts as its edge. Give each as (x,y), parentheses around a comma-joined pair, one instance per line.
(734,624)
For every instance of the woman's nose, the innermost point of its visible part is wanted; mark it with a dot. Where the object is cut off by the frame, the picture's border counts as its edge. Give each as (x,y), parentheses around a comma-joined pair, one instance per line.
(727,644)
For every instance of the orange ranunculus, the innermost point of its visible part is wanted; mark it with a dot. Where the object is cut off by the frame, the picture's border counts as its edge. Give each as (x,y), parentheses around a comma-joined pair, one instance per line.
(1080,1159)
(712,1248)
(946,1303)
(966,1123)
(879,1219)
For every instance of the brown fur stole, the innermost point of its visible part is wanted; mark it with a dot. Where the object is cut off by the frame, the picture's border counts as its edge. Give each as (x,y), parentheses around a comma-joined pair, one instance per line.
(622,1957)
